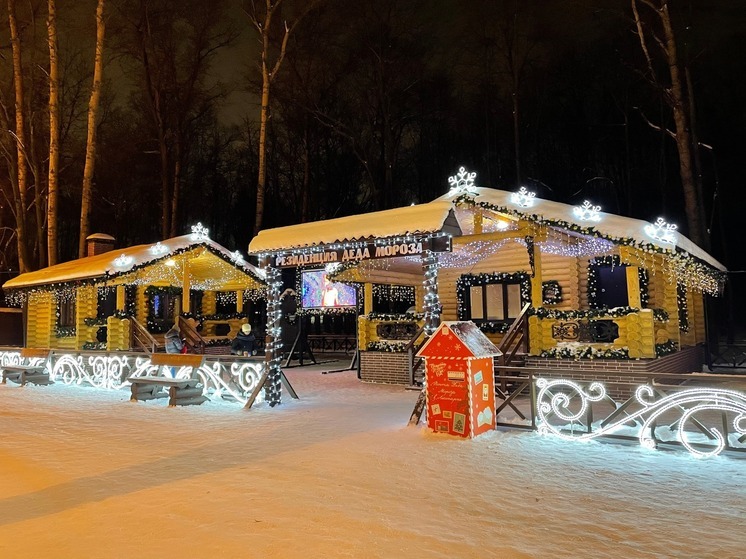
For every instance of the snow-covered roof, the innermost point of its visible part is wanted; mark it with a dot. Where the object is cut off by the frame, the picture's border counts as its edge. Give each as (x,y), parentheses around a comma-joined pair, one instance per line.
(471,337)
(437,216)
(409,220)
(119,262)
(610,225)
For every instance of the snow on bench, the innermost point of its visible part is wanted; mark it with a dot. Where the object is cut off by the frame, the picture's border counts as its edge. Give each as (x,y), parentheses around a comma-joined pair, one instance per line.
(23,374)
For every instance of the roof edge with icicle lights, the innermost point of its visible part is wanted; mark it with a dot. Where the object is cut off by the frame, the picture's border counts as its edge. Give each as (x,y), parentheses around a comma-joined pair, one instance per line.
(120,263)
(586,219)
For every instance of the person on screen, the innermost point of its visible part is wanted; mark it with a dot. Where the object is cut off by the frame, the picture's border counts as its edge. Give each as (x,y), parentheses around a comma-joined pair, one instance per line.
(329,294)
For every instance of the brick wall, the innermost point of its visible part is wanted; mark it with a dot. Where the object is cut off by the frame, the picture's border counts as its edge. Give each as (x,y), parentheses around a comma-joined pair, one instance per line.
(384,367)
(618,375)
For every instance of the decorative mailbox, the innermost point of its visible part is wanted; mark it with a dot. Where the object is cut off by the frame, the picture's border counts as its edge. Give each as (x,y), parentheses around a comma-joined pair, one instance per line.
(460,382)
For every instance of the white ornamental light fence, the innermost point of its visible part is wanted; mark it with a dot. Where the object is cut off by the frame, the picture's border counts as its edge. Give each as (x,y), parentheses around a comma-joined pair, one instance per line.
(228,377)
(702,413)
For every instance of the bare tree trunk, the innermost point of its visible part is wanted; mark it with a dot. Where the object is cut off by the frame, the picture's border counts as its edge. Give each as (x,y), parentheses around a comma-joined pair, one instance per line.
(264,119)
(517,138)
(177,185)
(90,152)
(269,73)
(20,138)
(54,132)
(676,100)
(306,194)
(692,198)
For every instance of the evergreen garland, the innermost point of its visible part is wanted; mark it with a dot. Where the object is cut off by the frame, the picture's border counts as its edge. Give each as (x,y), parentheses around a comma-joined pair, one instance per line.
(681,303)
(547,286)
(666,348)
(586,352)
(389,347)
(405,317)
(466,281)
(688,261)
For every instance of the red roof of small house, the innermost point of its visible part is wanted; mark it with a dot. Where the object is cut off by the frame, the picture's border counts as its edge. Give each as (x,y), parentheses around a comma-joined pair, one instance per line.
(459,340)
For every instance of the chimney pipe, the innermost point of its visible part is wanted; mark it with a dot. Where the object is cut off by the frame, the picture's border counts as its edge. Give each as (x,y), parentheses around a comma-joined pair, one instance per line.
(99,243)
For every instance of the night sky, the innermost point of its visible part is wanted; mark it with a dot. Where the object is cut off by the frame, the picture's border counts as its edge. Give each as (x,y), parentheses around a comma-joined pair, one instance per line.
(384,100)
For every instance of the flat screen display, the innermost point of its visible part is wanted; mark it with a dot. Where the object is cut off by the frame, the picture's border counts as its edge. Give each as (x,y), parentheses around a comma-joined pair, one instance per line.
(318,292)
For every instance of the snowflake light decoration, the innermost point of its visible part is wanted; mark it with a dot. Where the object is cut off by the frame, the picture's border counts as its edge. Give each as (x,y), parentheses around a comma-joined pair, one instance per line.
(123,261)
(587,212)
(236,257)
(523,198)
(157,249)
(662,231)
(463,182)
(199,232)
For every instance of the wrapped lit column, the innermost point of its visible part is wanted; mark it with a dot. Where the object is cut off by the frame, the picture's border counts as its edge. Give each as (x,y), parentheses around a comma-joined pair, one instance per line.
(430,283)
(273,355)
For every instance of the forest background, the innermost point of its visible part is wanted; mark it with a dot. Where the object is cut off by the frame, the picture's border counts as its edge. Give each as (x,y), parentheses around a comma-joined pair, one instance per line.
(367,106)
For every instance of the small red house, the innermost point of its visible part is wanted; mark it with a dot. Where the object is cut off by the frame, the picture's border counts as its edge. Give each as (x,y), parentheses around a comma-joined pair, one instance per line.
(459,380)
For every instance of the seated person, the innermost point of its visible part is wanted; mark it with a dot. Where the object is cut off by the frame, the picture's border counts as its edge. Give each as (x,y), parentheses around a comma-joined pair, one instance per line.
(244,342)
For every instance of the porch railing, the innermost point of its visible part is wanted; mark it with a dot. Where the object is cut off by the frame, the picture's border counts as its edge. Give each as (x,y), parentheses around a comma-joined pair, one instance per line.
(140,338)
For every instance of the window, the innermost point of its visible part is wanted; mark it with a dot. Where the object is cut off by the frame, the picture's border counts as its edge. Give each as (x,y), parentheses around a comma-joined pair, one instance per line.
(66,306)
(494,302)
(163,305)
(107,302)
(225,302)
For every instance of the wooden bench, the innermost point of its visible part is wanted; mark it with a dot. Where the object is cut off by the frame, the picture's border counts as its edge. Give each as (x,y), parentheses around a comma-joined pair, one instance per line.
(181,392)
(22,374)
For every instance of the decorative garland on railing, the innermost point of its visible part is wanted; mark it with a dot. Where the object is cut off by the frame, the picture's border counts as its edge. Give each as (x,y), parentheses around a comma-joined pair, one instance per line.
(220,316)
(586,352)
(218,342)
(615,312)
(64,331)
(494,327)
(666,348)
(403,317)
(703,276)
(467,281)
(389,347)
(327,311)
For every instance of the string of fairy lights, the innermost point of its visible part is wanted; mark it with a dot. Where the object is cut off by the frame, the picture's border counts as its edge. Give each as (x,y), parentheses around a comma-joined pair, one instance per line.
(273,349)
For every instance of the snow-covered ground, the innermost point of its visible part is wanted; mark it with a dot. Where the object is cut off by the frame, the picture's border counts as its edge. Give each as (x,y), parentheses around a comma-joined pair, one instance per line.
(86,473)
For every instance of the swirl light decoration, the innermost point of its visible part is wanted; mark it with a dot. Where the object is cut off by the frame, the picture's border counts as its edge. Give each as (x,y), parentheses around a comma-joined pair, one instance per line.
(555,397)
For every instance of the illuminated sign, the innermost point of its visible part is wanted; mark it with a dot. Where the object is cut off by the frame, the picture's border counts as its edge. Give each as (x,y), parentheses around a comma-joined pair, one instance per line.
(359,252)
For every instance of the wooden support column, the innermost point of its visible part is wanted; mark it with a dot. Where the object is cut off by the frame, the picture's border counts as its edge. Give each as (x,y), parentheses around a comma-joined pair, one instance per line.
(633,287)
(430,283)
(368,297)
(121,297)
(239,300)
(185,288)
(534,256)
